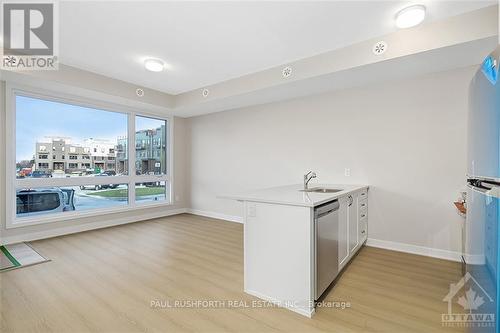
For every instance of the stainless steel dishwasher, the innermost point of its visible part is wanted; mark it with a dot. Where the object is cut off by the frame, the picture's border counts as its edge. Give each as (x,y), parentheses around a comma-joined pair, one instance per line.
(326,229)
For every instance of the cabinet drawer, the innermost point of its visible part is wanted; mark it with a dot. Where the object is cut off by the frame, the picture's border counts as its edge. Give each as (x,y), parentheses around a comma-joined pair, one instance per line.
(363,194)
(363,209)
(363,229)
(363,204)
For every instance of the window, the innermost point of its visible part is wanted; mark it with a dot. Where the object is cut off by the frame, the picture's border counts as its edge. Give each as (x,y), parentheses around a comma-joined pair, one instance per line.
(150,192)
(42,201)
(59,190)
(150,157)
(29,201)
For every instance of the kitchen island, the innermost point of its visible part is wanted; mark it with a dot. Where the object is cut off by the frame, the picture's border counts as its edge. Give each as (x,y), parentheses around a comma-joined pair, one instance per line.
(281,240)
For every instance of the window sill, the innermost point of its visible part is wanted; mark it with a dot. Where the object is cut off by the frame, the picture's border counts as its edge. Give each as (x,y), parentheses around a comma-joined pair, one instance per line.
(65,216)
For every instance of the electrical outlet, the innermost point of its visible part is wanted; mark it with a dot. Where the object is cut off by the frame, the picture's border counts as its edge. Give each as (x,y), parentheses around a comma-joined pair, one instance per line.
(347,172)
(252,210)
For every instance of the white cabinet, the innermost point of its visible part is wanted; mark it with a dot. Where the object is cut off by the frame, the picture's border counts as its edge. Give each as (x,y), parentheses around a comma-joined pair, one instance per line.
(343,230)
(281,242)
(353,224)
(362,220)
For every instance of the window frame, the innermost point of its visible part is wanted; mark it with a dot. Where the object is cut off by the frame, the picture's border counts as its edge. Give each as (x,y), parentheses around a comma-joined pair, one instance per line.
(12,184)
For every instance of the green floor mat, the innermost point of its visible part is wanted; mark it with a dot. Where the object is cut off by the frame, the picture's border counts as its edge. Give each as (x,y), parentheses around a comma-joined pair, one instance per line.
(18,255)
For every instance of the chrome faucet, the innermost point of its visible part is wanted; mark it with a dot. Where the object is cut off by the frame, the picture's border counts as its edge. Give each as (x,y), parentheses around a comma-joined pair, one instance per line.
(307,178)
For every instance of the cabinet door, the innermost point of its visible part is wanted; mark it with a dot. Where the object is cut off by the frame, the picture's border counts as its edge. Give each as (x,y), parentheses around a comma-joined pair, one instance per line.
(363,219)
(343,231)
(352,201)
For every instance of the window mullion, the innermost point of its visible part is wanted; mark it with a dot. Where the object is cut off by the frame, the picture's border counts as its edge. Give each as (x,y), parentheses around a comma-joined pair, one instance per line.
(131,159)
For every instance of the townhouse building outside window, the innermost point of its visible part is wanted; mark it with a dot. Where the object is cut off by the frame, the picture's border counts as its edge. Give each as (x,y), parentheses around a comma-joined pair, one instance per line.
(88,169)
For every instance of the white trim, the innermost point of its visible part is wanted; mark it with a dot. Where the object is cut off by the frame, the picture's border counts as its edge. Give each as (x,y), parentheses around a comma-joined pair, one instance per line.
(475,259)
(12,221)
(131,157)
(31,236)
(415,249)
(75,215)
(41,84)
(285,305)
(214,215)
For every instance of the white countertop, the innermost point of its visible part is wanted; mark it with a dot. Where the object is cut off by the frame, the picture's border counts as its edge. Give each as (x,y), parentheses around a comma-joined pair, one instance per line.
(291,194)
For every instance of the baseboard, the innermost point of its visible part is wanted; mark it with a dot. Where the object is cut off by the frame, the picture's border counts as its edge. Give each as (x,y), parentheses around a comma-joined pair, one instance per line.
(475,259)
(414,249)
(32,236)
(231,218)
(304,312)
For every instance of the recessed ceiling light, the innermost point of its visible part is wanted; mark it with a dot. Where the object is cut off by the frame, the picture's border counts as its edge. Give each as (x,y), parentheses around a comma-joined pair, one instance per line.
(410,16)
(154,65)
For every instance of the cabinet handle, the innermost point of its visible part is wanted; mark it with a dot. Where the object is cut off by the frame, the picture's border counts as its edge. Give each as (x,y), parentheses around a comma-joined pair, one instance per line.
(362,205)
(350,200)
(363,231)
(363,215)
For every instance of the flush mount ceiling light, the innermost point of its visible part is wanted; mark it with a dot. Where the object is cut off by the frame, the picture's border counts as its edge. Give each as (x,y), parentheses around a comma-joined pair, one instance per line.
(410,16)
(154,65)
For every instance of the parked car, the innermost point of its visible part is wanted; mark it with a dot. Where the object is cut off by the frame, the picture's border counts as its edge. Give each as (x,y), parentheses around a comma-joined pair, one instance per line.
(41,174)
(107,174)
(90,187)
(42,201)
(103,186)
(58,174)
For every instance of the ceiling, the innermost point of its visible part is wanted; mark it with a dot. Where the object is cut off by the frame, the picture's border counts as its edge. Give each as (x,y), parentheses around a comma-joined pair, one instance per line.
(204,43)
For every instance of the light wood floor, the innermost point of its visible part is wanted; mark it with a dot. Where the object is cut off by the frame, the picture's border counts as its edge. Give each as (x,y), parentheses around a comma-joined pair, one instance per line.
(104,281)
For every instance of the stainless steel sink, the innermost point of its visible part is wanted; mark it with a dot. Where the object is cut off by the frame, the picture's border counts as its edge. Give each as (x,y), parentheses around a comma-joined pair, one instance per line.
(322,190)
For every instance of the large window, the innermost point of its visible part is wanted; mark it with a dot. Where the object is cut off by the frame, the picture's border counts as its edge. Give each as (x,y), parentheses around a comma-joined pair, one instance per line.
(71,158)
(150,146)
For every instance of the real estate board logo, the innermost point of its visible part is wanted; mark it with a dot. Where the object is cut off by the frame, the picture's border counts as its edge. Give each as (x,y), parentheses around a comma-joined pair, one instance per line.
(29,32)
(475,302)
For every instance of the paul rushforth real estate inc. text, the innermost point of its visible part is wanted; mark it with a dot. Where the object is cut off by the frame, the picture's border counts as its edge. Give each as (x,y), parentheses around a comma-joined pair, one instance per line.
(200,304)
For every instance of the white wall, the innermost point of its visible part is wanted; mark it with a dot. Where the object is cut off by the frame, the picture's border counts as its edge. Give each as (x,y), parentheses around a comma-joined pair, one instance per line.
(406,139)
